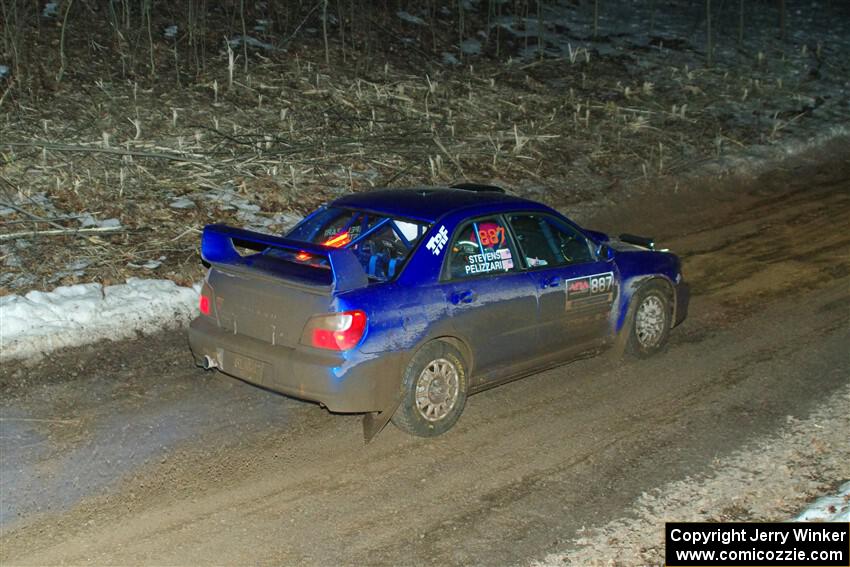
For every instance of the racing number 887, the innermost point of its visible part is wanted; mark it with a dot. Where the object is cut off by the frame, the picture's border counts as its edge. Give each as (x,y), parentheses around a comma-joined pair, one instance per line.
(493,237)
(601,284)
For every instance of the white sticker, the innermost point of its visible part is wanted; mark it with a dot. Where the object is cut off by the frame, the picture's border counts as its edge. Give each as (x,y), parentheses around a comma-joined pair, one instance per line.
(490,262)
(438,241)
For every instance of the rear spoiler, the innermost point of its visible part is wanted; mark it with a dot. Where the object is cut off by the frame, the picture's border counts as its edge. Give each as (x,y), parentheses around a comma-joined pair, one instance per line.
(217,247)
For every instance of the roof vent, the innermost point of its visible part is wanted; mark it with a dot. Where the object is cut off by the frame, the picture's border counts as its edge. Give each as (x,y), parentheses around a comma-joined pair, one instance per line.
(478,187)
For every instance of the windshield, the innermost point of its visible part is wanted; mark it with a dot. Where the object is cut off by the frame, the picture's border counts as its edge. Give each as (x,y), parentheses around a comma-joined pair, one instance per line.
(381,243)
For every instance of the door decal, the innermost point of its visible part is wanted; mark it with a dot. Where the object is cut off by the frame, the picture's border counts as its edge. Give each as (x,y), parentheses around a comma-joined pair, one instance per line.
(590,290)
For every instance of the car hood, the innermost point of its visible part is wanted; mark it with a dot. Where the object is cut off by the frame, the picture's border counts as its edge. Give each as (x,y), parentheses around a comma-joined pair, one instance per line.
(614,242)
(621,246)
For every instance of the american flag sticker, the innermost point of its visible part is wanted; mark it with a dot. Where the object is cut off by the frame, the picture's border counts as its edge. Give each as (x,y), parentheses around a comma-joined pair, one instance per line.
(507,261)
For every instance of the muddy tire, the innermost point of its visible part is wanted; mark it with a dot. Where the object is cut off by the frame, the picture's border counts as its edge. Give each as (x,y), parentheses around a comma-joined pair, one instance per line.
(649,325)
(434,389)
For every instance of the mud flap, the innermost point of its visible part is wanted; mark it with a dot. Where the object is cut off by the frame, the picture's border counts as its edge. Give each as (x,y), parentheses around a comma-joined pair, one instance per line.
(618,347)
(374,422)
(387,397)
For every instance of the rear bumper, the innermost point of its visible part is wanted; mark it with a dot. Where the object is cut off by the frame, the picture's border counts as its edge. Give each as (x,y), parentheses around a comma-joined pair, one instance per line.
(350,382)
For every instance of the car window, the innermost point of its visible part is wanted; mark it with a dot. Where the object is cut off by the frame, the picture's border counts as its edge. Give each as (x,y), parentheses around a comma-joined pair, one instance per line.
(481,247)
(384,251)
(543,241)
(381,243)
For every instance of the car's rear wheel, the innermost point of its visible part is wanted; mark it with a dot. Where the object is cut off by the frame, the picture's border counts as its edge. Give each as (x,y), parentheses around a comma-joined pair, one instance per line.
(651,322)
(434,391)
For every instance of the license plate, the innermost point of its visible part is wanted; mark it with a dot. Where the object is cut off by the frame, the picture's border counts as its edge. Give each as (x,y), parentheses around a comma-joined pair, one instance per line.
(247,368)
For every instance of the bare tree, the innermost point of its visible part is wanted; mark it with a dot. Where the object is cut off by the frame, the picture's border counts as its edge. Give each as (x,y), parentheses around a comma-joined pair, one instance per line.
(460,27)
(740,23)
(540,29)
(325,31)
(652,16)
(595,18)
(245,33)
(146,13)
(341,26)
(62,59)
(708,38)
(12,32)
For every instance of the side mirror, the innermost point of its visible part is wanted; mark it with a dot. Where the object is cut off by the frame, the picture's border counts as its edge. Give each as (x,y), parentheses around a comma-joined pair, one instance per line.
(605,253)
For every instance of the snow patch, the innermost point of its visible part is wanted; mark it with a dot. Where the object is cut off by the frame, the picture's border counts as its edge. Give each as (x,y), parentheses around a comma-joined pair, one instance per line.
(182,203)
(40,322)
(87,220)
(249,213)
(410,18)
(763,479)
(50,10)
(238,40)
(471,47)
(834,508)
(449,59)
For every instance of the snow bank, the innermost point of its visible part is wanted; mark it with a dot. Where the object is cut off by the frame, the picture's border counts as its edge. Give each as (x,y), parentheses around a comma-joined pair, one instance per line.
(40,322)
(829,508)
(766,479)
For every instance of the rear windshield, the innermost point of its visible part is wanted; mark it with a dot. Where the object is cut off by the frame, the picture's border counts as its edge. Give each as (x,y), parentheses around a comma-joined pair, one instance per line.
(381,243)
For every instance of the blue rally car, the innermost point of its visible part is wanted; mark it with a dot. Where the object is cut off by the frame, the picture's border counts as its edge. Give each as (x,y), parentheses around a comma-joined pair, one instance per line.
(400,303)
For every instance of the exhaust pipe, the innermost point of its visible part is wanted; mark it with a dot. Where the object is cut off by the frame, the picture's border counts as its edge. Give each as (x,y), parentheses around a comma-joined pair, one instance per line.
(209,363)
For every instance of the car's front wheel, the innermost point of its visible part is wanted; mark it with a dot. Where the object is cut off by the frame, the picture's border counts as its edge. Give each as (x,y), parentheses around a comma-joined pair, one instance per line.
(434,387)
(651,322)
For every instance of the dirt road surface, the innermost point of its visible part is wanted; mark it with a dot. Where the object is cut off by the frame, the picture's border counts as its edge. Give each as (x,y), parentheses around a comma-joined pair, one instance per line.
(127,453)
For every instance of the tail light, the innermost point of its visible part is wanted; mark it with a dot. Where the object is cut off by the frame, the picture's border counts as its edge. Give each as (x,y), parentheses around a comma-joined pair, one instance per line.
(205,300)
(335,331)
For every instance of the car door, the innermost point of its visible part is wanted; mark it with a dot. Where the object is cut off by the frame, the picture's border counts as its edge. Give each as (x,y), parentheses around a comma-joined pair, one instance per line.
(491,301)
(576,291)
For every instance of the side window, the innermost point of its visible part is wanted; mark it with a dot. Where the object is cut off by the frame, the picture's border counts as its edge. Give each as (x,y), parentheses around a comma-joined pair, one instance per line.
(545,242)
(481,247)
(383,252)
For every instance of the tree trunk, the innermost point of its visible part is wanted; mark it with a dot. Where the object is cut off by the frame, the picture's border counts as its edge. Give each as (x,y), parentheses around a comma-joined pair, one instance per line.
(460,28)
(244,34)
(540,29)
(708,38)
(741,23)
(325,30)
(595,18)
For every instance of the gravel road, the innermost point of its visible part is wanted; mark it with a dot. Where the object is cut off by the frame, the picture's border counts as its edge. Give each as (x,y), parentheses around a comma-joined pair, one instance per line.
(125,453)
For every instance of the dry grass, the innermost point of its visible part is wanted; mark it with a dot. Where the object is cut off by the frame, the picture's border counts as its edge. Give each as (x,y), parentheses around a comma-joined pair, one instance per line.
(294,132)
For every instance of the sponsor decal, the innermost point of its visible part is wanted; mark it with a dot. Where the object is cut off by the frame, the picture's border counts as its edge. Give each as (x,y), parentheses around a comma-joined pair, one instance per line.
(498,260)
(438,241)
(589,287)
(579,287)
(353,231)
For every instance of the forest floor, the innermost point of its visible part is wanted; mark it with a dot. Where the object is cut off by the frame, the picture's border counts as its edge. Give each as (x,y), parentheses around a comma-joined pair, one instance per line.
(105,176)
